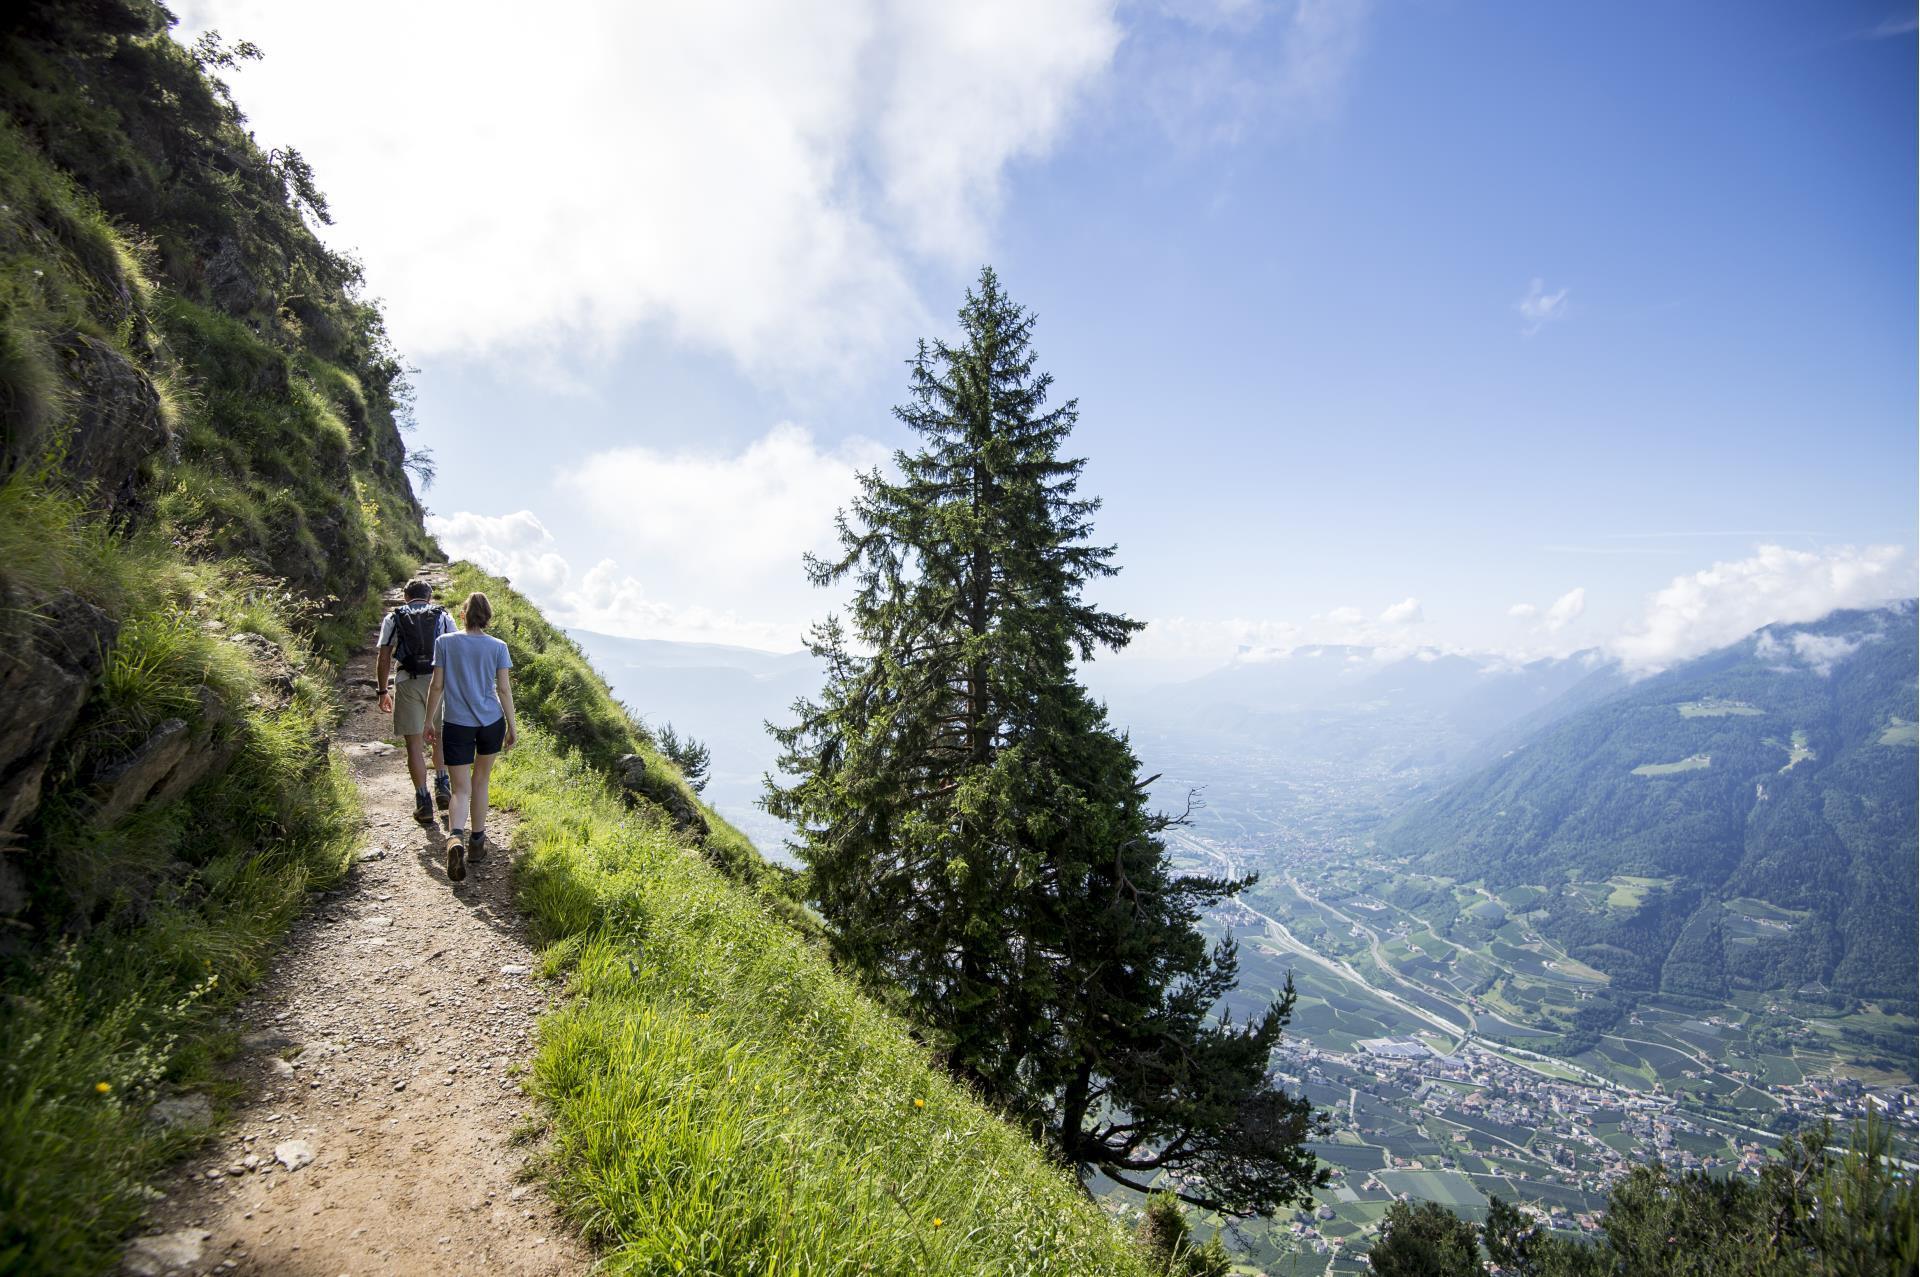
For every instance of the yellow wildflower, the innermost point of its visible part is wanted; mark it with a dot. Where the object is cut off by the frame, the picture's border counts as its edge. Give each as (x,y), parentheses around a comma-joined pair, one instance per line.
(937,1221)
(919,1104)
(103,1087)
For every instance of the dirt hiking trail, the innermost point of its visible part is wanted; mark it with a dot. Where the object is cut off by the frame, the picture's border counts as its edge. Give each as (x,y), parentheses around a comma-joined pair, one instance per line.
(374,1132)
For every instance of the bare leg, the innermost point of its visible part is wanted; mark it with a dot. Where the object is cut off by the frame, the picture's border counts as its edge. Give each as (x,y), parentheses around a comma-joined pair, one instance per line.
(417,761)
(482,769)
(462,791)
(439,732)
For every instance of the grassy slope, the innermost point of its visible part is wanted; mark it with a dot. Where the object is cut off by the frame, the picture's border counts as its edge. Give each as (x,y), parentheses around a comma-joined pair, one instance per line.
(168,913)
(280,501)
(722,1100)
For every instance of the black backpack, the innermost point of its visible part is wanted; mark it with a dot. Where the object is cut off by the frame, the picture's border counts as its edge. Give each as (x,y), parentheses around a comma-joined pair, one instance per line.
(414,631)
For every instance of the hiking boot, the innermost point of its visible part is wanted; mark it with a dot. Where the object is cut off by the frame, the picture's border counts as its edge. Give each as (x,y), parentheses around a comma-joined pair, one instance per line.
(423,810)
(456,858)
(477,846)
(443,791)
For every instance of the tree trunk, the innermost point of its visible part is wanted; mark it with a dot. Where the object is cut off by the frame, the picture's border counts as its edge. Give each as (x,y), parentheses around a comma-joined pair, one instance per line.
(1073,1113)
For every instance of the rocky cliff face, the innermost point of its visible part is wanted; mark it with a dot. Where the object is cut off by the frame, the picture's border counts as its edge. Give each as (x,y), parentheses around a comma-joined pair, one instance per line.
(199,418)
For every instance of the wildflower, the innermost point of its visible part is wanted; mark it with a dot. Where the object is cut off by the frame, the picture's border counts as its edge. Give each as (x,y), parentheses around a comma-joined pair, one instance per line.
(919,1103)
(937,1221)
(103,1087)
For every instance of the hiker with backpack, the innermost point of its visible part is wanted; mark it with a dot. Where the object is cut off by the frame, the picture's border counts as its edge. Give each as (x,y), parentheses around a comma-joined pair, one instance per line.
(471,684)
(407,636)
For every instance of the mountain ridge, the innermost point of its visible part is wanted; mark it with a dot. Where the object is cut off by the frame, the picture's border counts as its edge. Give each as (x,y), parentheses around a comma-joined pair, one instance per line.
(1775,769)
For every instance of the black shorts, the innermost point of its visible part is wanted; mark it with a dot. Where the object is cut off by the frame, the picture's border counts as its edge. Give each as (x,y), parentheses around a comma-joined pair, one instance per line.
(459,743)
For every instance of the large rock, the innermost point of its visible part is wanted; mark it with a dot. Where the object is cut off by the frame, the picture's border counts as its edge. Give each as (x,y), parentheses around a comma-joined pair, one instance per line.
(125,785)
(166,1253)
(117,422)
(168,763)
(190,1112)
(47,670)
(641,781)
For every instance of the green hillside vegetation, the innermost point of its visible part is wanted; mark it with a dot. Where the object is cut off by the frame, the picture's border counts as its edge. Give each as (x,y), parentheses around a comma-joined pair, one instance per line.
(1784,792)
(201,476)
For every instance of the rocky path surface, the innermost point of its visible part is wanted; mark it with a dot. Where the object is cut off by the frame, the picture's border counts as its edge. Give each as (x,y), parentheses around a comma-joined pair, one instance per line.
(375,1132)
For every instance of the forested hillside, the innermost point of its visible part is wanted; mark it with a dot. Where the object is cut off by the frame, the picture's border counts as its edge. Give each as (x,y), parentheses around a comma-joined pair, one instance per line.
(1761,800)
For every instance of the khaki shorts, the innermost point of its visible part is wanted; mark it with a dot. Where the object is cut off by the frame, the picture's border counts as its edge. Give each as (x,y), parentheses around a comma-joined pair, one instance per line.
(410,706)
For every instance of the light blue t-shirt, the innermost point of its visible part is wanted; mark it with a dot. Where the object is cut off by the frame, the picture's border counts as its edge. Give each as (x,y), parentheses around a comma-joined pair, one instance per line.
(467,665)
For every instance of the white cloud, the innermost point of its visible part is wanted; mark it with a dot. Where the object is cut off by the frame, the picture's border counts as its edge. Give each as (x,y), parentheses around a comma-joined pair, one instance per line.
(1209,77)
(1523,610)
(725,517)
(1726,602)
(1566,610)
(760,178)
(1344,616)
(1181,645)
(519,547)
(1323,39)
(1540,307)
(1819,653)
(1405,612)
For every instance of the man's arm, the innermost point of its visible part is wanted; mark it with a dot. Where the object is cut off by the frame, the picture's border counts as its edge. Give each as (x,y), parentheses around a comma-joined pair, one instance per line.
(381,668)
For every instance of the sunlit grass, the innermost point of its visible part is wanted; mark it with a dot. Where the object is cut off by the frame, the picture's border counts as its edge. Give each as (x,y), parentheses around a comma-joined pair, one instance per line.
(723,1101)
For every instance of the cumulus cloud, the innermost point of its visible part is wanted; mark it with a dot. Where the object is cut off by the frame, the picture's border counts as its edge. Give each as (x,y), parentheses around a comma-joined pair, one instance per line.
(759,178)
(1185,645)
(1566,610)
(1728,601)
(519,547)
(1819,653)
(1343,616)
(1405,612)
(1523,610)
(1540,307)
(725,515)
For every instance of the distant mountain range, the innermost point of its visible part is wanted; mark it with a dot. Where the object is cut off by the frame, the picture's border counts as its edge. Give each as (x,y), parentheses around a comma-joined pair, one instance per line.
(1758,806)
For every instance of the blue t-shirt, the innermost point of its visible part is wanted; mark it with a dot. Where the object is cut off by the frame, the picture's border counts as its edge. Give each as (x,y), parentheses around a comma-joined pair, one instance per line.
(467,665)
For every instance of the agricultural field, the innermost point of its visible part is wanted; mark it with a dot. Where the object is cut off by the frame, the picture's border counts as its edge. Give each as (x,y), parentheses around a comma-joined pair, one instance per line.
(1799,749)
(1715,707)
(1691,763)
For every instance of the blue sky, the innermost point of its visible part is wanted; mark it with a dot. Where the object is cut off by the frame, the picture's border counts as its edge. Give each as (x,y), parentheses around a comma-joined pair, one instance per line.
(1510,327)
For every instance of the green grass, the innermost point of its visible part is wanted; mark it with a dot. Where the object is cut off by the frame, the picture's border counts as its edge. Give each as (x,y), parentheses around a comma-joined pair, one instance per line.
(175,908)
(723,1101)
(1713,707)
(1692,763)
(1630,892)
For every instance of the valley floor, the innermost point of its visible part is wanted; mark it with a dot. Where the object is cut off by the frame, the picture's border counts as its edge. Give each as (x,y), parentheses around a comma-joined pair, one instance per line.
(378,1076)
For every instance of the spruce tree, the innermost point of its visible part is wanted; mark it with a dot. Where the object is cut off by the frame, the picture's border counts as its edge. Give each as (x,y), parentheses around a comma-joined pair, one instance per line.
(975,832)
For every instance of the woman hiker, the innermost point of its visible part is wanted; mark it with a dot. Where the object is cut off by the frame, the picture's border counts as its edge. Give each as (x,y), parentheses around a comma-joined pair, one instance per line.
(470,677)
